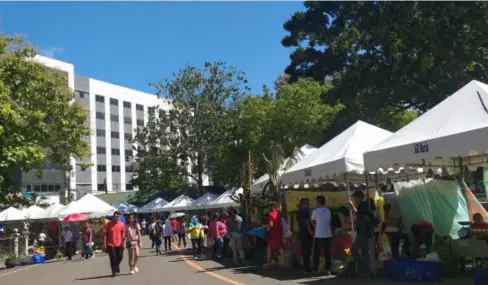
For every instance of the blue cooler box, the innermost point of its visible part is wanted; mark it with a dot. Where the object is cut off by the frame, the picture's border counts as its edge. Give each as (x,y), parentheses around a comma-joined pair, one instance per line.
(480,276)
(412,270)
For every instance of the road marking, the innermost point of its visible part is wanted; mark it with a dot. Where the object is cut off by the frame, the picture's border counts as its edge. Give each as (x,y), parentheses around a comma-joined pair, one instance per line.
(203,270)
(20,269)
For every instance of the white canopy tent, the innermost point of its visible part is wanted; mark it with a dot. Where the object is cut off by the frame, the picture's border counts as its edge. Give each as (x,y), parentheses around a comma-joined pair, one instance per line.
(199,203)
(88,204)
(343,154)
(456,127)
(225,200)
(157,203)
(50,213)
(125,208)
(179,203)
(12,214)
(33,212)
(259,184)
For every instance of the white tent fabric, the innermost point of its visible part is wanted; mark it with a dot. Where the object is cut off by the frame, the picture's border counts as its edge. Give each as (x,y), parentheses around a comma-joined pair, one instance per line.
(88,204)
(12,214)
(50,213)
(125,208)
(343,154)
(33,212)
(225,199)
(199,203)
(179,203)
(456,127)
(154,204)
(259,184)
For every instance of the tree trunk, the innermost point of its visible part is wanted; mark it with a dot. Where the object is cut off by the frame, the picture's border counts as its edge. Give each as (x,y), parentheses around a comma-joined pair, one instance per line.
(200,173)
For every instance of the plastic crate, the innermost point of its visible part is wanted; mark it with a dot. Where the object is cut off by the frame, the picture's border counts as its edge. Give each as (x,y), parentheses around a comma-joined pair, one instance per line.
(480,276)
(412,270)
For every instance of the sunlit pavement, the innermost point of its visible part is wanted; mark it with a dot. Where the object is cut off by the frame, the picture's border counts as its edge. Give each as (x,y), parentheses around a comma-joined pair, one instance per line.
(175,267)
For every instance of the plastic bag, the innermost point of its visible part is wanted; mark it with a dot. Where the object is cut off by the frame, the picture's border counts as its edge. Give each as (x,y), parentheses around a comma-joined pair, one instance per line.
(38,258)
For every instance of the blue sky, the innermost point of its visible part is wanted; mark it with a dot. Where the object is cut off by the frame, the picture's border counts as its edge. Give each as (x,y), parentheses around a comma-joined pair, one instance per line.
(130,44)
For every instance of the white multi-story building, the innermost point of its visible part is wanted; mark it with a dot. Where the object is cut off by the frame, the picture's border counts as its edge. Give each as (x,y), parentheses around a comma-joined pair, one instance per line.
(115,114)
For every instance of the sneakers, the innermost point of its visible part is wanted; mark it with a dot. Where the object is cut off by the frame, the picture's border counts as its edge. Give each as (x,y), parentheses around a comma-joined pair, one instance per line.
(136,269)
(132,272)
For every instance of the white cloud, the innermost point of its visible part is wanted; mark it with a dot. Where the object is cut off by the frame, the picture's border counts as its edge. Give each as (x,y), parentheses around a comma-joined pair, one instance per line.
(50,52)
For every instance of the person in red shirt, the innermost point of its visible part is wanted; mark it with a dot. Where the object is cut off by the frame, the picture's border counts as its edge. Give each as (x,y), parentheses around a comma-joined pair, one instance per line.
(479,228)
(275,238)
(114,242)
(174,226)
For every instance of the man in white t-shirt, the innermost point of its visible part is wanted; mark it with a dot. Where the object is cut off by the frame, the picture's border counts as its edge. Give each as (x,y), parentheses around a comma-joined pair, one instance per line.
(321,218)
(67,236)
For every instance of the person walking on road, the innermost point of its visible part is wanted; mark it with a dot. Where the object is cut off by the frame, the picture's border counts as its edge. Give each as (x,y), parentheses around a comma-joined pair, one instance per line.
(143,226)
(150,229)
(196,235)
(157,234)
(182,231)
(88,241)
(134,238)
(67,236)
(168,235)
(234,227)
(321,219)
(114,238)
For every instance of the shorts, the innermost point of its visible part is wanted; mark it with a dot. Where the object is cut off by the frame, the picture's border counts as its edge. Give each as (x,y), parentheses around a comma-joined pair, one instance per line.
(129,244)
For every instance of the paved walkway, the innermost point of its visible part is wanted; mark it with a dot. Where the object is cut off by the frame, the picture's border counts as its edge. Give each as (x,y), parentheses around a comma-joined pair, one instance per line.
(174,267)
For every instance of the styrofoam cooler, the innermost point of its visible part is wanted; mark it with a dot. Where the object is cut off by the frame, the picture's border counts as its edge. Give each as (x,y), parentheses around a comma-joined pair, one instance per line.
(414,271)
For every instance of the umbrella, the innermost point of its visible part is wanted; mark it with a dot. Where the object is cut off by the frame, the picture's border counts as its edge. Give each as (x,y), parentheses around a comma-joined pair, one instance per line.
(176,215)
(75,218)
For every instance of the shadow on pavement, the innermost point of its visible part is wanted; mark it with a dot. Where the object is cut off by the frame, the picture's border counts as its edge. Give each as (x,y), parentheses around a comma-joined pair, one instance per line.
(100,277)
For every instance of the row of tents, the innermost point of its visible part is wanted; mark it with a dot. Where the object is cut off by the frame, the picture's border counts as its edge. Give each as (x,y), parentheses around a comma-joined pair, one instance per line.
(184,203)
(456,128)
(97,208)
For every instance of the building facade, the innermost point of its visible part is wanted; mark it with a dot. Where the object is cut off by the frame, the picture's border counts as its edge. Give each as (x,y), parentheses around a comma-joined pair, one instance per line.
(115,115)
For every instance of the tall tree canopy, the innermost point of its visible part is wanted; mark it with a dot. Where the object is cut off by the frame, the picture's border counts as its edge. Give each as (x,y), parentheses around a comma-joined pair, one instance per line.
(292,117)
(202,115)
(38,119)
(386,58)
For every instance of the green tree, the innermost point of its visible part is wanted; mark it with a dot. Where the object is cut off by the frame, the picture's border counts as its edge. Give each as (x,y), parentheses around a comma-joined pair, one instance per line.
(155,167)
(38,120)
(386,57)
(292,117)
(202,117)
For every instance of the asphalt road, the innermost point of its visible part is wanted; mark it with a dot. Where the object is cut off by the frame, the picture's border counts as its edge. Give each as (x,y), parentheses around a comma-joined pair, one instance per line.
(175,267)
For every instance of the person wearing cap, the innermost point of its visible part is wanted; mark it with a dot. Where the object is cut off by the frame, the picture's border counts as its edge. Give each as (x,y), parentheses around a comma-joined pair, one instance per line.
(364,231)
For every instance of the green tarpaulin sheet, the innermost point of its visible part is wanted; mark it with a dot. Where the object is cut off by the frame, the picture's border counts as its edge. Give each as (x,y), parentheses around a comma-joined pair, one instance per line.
(439,202)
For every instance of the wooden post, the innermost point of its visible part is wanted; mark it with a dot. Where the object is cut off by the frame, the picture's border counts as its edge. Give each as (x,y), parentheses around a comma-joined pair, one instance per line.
(248,194)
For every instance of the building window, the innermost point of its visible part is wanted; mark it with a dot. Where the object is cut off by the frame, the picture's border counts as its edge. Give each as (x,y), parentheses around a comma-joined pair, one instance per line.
(126,104)
(128,187)
(115,151)
(140,123)
(129,169)
(128,152)
(139,107)
(101,168)
(81,94)
(150,110)
(99,98)
(100,133)
(114,102)
(101,150)
(101,187)
(115,168)
(114,118)
(127,136)
(100,115)
(127,120)
(82,167)
(115,135)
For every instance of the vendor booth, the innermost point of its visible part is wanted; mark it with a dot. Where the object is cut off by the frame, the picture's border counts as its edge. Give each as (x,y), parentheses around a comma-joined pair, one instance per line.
(125,208)
(180,202)
(225,200)
(199,203)
(154,205)
(447,141)
(87,204)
